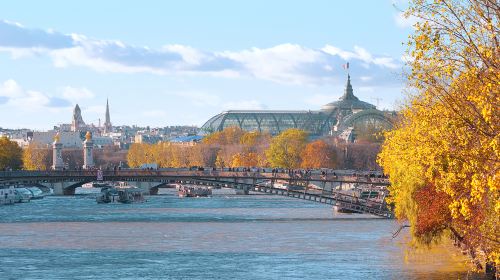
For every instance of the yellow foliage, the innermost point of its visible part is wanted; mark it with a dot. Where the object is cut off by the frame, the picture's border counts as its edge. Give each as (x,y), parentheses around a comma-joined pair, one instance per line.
(448,135)
(286,148)
(36,157)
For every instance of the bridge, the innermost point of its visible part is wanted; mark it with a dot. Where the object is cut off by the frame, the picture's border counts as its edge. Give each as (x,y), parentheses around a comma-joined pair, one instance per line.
(317,187)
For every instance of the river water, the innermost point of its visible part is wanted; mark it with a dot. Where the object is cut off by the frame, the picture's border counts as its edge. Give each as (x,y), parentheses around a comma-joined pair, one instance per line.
(222,237)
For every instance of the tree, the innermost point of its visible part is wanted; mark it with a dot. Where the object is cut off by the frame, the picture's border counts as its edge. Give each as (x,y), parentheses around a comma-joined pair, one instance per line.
(447,142)
(10,154)
(286,148)
(318,154)
(139,154)
(37,157)
(228,136)
(245,159)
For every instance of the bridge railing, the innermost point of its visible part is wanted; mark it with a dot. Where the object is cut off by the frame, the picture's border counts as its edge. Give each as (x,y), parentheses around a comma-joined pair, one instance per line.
(6,175)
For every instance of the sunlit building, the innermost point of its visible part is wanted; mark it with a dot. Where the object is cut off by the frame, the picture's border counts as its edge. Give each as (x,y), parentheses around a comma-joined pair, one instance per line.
(332,119)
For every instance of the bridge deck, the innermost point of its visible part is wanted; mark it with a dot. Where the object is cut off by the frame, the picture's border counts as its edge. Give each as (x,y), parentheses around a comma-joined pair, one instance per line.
(241,180)
(12,176)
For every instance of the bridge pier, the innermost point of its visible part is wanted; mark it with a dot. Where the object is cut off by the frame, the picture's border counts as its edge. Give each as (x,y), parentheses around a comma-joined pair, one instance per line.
(147,187)
(58,188)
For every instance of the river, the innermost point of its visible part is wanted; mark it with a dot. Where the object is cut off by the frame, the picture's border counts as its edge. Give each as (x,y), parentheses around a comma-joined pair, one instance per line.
(222,237)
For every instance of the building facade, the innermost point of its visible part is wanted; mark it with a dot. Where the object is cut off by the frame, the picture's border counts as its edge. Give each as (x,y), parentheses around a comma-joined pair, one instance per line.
(333,118)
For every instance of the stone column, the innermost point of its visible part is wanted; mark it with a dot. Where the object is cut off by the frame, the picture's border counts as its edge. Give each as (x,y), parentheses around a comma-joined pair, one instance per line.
(57,161)
(88,146)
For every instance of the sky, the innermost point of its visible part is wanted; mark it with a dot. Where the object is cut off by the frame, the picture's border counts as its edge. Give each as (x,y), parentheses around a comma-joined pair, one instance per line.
(164,63)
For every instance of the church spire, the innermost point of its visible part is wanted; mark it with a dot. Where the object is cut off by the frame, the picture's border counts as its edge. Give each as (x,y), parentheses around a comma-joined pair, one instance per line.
(108,119)
(107,124)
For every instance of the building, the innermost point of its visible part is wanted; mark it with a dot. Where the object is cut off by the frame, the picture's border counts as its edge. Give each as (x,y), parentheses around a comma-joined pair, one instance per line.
(69,139)
(186,141)
(332,119)
(77,123)
(147,138)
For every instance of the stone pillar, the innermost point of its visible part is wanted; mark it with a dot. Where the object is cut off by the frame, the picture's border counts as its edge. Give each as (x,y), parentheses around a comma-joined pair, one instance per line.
(57,161)
(88,146)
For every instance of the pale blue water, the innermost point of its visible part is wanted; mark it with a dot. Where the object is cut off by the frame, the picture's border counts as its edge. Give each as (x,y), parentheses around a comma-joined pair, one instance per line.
(223,237)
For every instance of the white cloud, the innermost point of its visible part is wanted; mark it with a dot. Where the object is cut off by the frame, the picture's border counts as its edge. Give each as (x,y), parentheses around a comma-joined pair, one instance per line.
(189,54)
(285,63)
(12,94)
(11,89)
(345,55)
(30,99)
(15,95)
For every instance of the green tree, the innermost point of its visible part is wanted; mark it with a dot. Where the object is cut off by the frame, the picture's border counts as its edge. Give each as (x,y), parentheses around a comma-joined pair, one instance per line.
(10,154)
(286,148)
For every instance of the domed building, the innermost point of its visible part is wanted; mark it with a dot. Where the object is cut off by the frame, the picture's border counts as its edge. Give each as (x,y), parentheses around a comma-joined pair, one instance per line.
(347,114)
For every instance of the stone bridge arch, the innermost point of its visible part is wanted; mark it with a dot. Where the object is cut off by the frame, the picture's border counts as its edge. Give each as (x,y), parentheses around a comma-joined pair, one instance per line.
(64,187)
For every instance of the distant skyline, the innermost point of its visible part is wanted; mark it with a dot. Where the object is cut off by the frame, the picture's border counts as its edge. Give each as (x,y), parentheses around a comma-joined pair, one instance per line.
(164,63)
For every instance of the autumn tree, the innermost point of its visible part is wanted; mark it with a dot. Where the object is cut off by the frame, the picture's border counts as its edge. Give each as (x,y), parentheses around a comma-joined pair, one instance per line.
(10,154)
(252,148)
(139,154)
(228,136)
(286,148)
(447,143)
(318,154)
(37,157)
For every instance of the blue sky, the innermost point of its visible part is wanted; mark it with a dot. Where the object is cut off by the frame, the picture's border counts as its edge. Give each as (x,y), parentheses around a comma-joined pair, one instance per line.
(180,62)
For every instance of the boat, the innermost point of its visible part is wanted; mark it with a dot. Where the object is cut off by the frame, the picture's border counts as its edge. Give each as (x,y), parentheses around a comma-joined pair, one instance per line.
(192,191)
(120,195)
(22,195)
(108,195)
(130,195)
(7,195)
(36,193)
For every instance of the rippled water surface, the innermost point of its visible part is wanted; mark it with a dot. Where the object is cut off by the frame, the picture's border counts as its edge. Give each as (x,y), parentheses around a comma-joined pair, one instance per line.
(222,237)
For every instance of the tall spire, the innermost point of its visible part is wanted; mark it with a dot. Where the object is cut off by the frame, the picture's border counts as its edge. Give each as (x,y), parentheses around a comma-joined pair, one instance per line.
(107,123)
(348,92)
(108,119)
